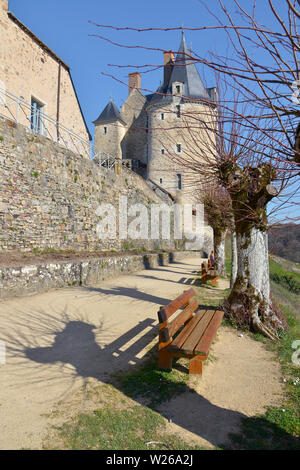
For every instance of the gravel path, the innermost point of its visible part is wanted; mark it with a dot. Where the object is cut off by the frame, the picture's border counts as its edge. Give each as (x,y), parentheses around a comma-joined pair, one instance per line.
(58,341)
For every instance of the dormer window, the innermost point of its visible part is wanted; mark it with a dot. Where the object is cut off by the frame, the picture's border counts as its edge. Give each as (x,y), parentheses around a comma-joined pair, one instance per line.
(177,89)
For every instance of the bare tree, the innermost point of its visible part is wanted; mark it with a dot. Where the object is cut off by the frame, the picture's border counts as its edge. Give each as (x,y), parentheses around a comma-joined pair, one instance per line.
(241,161)
(218,213)
(248,142)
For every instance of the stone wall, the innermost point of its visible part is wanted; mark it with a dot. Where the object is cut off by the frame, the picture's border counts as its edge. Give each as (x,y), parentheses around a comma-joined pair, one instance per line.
(49,196)
(33,279)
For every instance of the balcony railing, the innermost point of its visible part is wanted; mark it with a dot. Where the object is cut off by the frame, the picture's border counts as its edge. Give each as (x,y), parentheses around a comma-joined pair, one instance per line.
(18,110)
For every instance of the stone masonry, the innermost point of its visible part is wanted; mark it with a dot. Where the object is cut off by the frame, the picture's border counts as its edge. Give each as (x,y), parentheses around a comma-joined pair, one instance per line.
(49,196)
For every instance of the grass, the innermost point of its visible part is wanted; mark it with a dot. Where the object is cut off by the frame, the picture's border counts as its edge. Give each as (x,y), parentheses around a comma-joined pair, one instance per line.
(286,278)
(111,429)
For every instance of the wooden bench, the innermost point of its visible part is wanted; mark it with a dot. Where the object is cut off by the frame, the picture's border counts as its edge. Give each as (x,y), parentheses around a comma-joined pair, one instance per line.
(196,332)
(208,274)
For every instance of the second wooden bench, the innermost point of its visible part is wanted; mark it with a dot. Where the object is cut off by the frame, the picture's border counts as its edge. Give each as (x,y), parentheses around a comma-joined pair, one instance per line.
(208,274)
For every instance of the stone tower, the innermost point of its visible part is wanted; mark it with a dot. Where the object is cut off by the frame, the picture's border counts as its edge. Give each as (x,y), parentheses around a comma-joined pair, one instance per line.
(153,130)
(173,111)
(110,129)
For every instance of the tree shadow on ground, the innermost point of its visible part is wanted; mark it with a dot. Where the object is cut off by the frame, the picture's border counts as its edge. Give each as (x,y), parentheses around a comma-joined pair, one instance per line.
(76,344)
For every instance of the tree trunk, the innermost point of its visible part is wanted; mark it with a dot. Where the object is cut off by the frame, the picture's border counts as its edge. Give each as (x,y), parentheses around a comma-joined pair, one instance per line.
(249,300)
(233,259)
(219,252)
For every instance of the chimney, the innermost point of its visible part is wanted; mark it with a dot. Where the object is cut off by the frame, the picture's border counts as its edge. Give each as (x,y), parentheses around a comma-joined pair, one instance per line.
(168,66)
(134,81)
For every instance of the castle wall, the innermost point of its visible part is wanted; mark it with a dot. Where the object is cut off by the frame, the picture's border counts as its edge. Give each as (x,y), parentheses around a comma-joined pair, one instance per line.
(28,70)
(134,145)
(49,196)
(165,160)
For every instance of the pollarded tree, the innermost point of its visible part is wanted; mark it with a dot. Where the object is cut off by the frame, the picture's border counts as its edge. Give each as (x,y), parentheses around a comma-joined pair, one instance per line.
(241,161)
(218,213)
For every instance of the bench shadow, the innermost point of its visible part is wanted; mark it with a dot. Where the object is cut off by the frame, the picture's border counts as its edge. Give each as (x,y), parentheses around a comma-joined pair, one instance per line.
(130,292)
(77,344)
(182,280)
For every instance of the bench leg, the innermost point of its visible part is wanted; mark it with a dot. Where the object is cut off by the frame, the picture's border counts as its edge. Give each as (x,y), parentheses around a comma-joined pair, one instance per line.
(196,366)
(164,360)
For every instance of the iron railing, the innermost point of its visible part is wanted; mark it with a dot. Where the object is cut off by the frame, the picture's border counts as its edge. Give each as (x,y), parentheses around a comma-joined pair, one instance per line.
(18,110)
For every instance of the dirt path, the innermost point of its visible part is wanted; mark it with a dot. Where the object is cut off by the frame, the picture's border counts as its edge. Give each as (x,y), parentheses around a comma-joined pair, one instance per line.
(58,341)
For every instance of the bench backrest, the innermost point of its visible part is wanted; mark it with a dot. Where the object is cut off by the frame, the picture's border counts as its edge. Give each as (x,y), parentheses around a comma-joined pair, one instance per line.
(168,328)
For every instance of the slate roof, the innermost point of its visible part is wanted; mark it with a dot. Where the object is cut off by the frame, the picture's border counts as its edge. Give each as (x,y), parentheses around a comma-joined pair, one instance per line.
(184,71)
(109,114)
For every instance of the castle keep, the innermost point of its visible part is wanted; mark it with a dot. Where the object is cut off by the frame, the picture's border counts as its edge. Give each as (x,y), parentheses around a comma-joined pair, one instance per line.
(153,132)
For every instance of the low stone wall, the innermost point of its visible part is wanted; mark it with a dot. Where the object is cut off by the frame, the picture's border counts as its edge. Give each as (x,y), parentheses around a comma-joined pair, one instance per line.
(33,279)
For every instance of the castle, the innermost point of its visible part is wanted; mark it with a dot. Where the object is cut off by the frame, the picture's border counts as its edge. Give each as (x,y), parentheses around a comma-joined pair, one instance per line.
(49,194)
(151,132)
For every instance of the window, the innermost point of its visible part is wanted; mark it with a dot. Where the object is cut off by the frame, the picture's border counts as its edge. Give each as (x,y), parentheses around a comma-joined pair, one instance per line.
(104,130)
(162,116)
(36,122)
(178,148)
(162,151)
(178,89)
(178,111)
(179,181)
(160,180)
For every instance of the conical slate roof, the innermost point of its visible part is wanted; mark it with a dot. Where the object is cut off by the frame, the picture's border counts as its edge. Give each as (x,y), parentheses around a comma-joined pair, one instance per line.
(109,114)
(184,71)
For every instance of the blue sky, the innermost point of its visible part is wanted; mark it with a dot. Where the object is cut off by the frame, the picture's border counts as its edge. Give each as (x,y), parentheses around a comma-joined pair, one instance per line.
(64,26)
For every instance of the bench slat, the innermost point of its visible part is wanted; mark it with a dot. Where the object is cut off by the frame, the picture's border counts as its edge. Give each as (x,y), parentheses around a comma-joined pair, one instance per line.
(205,342)
(165,312)
(197,333)
(183,335)
(179,321)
